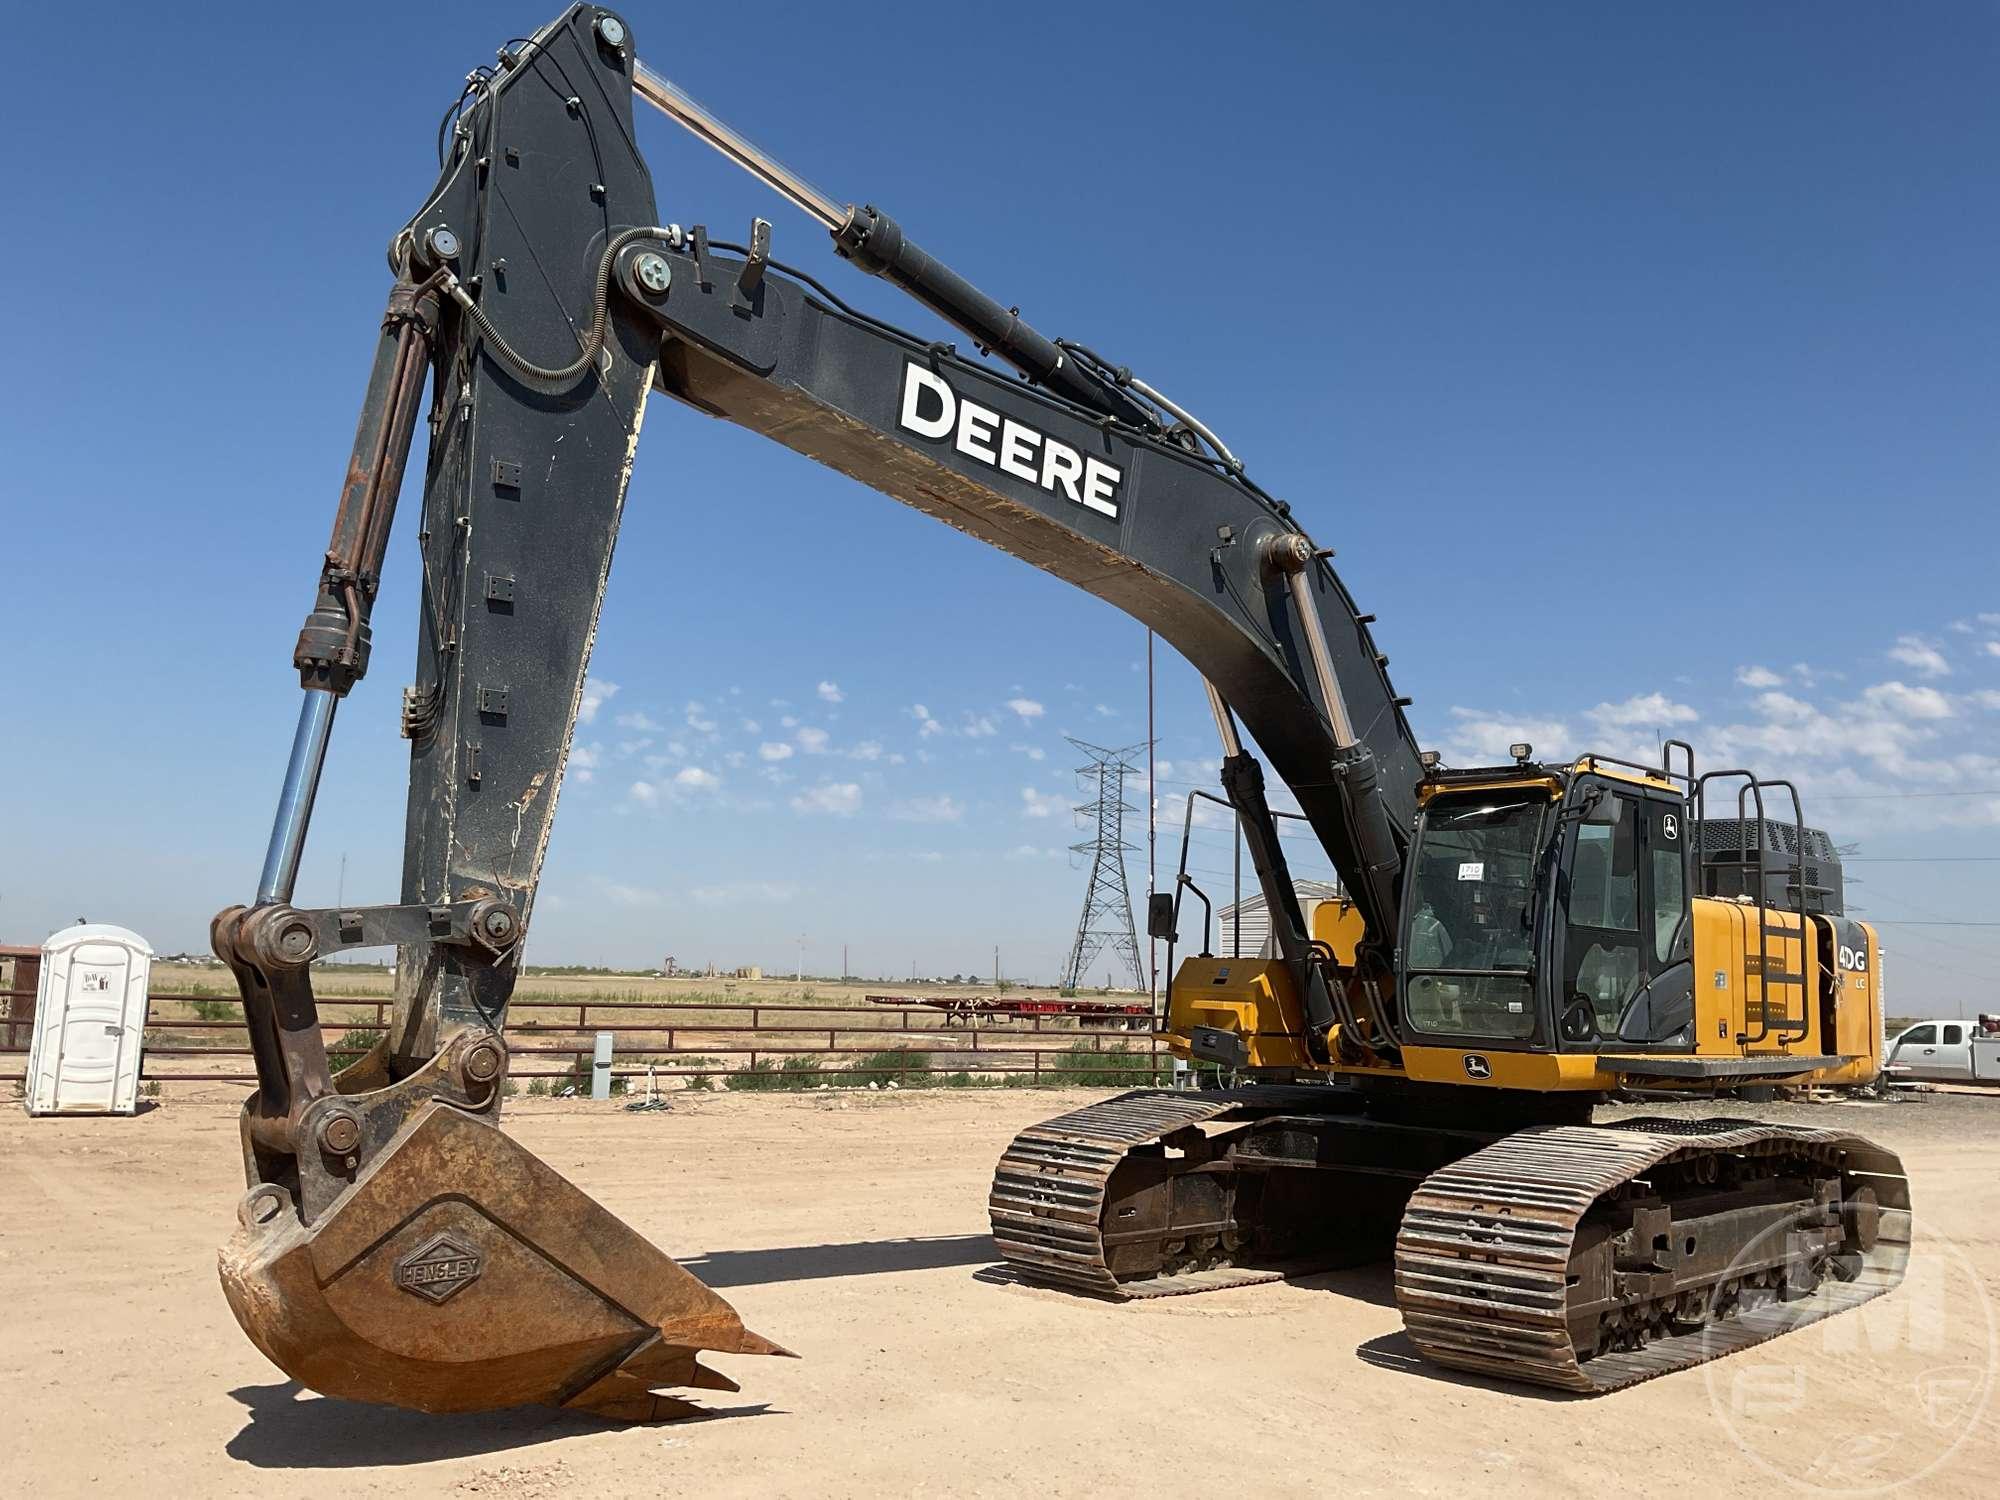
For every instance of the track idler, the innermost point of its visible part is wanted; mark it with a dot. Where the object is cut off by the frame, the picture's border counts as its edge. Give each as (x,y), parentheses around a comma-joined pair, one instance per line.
(461,1273)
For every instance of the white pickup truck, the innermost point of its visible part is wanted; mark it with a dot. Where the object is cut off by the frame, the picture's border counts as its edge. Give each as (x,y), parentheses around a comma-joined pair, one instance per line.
(1945,1052)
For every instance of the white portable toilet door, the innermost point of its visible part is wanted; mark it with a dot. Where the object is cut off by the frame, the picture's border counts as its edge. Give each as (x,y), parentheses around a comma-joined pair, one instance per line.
(90,1020)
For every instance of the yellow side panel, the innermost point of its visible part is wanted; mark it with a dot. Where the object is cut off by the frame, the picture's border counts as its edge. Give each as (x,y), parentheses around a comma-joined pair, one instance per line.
(1250,997)
(1729,988)
(1857,1016)
(1730,983)
(1718,977)
(1543,1072)
(1338,924)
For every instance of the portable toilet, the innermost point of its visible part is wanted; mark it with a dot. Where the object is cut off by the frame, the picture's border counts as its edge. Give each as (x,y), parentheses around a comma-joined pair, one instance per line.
(90,1022)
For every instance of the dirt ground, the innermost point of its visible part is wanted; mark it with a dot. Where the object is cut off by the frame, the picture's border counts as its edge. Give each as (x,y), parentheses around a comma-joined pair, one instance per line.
(853,1230)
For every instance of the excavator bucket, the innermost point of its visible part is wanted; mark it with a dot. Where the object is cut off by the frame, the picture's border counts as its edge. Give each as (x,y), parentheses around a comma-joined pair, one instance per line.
(460,1273)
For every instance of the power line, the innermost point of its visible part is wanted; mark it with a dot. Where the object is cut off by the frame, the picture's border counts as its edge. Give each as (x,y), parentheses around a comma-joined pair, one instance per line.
(1895,796)
(1907,922)
(1923,859)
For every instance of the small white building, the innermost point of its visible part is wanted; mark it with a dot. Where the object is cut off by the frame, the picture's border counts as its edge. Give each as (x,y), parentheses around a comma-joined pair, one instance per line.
(90,1022)
(1257,941)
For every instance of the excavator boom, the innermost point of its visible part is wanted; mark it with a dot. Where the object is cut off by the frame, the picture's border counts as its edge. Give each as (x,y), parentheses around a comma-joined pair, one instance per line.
(394,1245)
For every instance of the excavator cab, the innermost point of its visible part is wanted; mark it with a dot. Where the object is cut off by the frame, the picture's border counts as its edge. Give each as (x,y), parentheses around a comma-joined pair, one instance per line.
(1548,910)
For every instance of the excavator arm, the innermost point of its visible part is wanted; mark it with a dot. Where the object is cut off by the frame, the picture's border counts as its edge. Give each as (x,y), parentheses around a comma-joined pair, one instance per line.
(394,1245)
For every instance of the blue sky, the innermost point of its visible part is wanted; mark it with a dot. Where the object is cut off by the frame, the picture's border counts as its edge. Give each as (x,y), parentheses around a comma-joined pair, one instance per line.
(1640,363)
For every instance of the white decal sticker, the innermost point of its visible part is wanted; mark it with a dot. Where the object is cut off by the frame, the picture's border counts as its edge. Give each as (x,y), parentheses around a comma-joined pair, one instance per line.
(1472,870)
(932,409)
(1670,827)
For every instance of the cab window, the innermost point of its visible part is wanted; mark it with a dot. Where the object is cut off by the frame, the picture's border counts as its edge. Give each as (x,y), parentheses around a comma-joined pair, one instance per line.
(1670,903)
(1954,1036)
(1605,960)
(1468,942)
(1920,1036)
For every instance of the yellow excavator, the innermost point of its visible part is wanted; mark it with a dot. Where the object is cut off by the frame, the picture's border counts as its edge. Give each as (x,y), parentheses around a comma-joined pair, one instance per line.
(1413,1075)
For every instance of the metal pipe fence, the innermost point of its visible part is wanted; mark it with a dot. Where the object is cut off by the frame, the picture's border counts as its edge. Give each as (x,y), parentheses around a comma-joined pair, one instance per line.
(1021,1049)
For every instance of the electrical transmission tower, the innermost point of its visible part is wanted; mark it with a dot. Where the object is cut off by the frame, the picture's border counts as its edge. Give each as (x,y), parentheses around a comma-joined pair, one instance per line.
(1107,901)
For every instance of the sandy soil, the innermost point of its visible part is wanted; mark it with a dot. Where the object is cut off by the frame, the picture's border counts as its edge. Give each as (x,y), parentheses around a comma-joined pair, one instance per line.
(853,1230)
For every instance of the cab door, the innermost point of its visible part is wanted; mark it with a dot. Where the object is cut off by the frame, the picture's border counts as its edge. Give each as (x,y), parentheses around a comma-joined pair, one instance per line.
(1627,971)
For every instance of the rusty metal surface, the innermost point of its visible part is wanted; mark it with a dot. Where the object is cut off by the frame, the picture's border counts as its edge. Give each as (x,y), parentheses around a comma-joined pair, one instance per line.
(1491,1255)
(461,1273)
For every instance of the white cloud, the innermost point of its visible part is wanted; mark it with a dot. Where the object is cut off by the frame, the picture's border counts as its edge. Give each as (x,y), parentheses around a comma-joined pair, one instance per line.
(1910,702)
(830,692)
(744,892)
(926,725)
(979,727)
(698,720)
(631,895)
(696,779)
(1030,851)
(1758,677)
(927,857)
(596,693)
(812,741)
(1481,737)
(1105,711)
(1650,711)
(841,799)
(644,723)
(1036,804)
(1993,648)
(1992,620)
(751,726)
(1915,651)
(1027,708)
(645,793)
(939,809)
(789,721)
(774,750)
(866,750)
(1033,752)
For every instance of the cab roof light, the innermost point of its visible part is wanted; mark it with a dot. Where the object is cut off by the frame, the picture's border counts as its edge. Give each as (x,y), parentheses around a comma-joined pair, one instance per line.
(1521,750)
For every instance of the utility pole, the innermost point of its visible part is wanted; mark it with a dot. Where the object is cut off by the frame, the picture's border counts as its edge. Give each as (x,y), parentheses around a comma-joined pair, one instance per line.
(1106,921)
(799,974)
(1152,828)
(843,963)
(996,968)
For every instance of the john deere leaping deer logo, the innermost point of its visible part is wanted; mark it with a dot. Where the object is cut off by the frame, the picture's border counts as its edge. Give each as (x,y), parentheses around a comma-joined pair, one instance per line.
(1476,1065)
(438,1269)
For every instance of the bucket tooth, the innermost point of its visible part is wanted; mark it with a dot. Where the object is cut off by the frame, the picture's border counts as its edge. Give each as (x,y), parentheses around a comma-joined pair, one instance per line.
(461,1273)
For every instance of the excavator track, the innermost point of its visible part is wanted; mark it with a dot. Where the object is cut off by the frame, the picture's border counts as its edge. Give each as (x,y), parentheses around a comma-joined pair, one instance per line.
(1505,1257)
(1050,1193)
(1579,1257)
